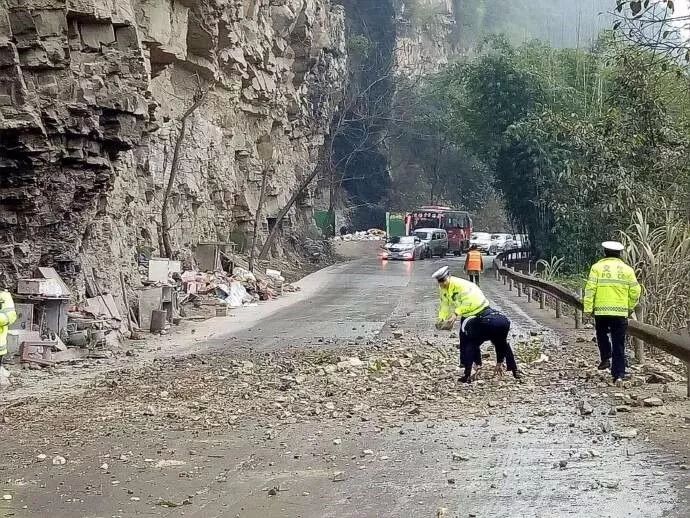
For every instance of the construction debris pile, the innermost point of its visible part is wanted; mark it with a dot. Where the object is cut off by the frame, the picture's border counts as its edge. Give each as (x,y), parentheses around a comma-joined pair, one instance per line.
(373,234)
(204,285)
(51,328)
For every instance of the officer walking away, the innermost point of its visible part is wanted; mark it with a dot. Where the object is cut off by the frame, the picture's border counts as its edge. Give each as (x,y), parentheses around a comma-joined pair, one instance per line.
(474,264)
(478,323)
(611,294)
(8,316)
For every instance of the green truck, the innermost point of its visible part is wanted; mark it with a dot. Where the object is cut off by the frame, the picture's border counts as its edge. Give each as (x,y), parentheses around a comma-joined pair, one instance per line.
(395,224)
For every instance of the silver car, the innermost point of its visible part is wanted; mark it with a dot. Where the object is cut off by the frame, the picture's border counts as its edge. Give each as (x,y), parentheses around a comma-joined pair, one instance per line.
(404,248)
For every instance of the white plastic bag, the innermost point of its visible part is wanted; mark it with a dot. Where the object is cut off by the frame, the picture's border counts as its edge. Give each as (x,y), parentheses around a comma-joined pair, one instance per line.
(237,295)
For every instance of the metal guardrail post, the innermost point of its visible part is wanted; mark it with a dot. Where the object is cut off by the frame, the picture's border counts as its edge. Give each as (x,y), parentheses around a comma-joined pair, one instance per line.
(578,313)
(519,288)
(638,344)
(529,293)
(510,284)
(687,367)
(542,302)
(558,308)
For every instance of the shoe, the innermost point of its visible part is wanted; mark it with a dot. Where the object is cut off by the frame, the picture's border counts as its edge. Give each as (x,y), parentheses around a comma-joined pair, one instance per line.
(465,379)
(618,382)
(517,375)
(604,365)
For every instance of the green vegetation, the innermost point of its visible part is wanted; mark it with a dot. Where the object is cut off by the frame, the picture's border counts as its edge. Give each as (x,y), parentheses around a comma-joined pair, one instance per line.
(576,140)
(359,47)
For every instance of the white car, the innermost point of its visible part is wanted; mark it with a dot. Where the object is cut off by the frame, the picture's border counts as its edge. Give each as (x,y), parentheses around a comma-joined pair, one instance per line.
(501,243)
(482,240)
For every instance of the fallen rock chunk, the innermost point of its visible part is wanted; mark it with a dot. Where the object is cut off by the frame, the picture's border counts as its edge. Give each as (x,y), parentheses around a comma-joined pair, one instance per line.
(653,401)
(627,433)
(585,408)
(338,476)
(522,429)
(169,463)
(59,460)
(458,457)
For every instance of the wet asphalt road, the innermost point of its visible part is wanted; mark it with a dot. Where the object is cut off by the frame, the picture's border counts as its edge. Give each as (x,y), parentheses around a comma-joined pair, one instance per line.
(355,301)
(506,473)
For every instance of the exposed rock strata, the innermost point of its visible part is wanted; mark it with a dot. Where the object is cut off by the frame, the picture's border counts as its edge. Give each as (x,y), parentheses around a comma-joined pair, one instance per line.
(91,92)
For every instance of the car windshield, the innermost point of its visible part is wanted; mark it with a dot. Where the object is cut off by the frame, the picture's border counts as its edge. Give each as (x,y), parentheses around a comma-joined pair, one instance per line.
(407,240)
(496,236)
(423,235)
(480,236)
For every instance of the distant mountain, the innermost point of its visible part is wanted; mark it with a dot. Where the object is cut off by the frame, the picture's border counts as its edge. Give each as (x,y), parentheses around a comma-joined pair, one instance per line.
(563,23)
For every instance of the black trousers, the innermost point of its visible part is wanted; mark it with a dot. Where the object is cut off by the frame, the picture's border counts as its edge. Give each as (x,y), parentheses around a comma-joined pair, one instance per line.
(489,325)
(611,341)
(474,277)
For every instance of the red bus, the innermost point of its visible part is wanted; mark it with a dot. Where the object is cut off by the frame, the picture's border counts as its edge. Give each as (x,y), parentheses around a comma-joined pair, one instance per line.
(457,223)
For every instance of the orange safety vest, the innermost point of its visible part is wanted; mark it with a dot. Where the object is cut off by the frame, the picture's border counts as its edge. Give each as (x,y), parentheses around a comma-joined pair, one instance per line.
(474,261)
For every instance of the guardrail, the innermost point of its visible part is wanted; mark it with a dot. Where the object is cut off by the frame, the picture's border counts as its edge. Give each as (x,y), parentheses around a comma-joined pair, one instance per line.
(672,343)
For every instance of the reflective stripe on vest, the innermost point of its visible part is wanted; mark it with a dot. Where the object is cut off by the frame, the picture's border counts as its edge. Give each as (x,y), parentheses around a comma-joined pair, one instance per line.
(474,261)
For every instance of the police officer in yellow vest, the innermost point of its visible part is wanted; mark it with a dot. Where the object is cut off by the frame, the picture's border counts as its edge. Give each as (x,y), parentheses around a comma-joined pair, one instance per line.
(611,294)
(474,264)
(7,317)
(478,323)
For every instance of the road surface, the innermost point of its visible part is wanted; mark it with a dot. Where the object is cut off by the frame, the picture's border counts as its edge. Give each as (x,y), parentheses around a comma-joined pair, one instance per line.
(210,436)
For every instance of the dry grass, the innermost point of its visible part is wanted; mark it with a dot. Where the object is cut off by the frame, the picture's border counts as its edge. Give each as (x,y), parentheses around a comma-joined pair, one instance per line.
(661,257)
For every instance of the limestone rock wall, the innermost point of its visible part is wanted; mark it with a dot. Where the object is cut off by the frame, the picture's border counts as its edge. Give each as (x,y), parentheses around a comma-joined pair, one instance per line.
(91,97)
(426,35)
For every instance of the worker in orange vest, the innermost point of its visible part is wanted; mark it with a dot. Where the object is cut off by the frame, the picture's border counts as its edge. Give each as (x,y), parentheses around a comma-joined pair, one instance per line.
(474,264)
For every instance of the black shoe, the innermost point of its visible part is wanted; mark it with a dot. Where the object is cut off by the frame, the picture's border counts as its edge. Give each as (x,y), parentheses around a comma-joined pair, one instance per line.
(604,365)
(517,375)
(465,379)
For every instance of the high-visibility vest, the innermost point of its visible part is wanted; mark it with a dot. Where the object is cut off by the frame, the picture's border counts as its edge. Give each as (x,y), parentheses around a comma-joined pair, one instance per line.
(612,289)
(8,316)
(474,261)
(461,297)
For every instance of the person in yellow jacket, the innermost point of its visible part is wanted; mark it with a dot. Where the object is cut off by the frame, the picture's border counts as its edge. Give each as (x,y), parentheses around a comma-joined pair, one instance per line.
(611,294)
(478,323)
(8,316)
(474,264)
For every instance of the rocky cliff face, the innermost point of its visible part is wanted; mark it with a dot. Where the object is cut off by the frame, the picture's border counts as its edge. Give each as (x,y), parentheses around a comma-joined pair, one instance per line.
(91,97)
(426,35)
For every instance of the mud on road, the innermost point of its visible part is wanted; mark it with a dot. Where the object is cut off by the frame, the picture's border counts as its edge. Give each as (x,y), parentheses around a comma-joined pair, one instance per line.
(369,431)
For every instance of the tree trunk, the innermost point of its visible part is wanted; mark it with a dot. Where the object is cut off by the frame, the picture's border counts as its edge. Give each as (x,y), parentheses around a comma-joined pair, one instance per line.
(257,217)
(165,227)
(274,231)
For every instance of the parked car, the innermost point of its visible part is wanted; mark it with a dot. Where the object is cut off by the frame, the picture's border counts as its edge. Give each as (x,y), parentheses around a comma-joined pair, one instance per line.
(521,240)
(482,240)
(404,248)
(435,241)
(501,243)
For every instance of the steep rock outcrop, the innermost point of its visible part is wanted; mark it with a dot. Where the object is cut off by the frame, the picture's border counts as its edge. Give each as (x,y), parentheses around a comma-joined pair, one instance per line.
(426,36)
(91,96)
